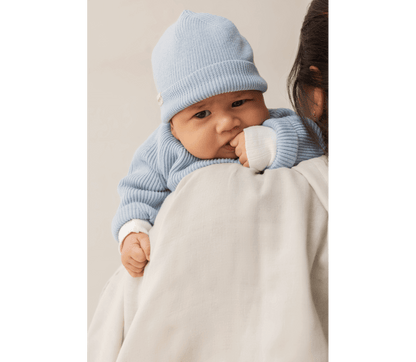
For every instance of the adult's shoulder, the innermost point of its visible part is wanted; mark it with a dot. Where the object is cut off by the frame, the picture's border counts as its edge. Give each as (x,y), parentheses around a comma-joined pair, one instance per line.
(285,186)
(315,171)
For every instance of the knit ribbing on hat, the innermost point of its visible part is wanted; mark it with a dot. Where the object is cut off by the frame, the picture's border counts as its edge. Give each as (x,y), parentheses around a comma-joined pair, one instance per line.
(200,56)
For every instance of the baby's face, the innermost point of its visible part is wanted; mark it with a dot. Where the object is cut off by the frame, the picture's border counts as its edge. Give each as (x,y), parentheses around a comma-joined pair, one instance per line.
(206,128)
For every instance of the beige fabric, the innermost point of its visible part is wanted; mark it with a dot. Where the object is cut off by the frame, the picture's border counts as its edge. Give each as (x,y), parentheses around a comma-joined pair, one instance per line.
(238,272)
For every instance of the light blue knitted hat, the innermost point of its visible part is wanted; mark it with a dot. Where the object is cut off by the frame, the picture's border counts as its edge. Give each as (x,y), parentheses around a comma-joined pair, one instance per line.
(200,56)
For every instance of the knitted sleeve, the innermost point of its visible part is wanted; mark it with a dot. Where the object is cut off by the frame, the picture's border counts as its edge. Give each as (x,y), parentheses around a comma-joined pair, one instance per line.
(144,189)
(293,143)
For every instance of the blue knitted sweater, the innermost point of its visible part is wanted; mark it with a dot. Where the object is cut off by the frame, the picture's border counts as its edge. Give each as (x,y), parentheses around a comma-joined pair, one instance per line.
(161,162)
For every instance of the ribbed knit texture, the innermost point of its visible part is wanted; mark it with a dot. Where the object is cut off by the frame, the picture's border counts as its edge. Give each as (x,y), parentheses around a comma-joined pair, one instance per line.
(200,56)
(162,162)
(294,144)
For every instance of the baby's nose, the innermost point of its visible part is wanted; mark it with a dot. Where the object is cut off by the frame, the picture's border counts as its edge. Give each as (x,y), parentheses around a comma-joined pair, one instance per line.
(227,123)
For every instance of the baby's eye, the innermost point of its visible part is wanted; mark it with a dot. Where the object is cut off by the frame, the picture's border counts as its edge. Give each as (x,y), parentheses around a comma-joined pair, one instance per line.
(202,114)
(239,103)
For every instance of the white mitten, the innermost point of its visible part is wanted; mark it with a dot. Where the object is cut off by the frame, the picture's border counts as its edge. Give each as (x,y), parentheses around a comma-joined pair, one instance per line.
(261,144)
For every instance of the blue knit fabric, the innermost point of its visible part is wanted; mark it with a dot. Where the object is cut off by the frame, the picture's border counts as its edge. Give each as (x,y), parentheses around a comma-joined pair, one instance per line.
(294,143)
(200,56)
(162,162)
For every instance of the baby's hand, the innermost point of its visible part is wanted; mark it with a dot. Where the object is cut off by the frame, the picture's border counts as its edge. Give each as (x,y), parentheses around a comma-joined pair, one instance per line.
(239,142)
(135,253)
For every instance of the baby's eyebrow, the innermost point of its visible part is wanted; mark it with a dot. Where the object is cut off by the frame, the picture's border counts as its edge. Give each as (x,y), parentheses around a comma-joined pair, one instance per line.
(196,107)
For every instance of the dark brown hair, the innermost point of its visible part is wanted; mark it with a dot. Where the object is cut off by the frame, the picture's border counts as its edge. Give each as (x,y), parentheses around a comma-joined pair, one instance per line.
(313,51)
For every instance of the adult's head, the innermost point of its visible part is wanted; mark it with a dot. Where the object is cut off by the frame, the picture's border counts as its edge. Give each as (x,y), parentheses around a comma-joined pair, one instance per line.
(308,80)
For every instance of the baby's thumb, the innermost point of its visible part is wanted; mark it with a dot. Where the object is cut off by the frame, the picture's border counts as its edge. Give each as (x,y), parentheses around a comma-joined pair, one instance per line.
(233,142)
(145,245)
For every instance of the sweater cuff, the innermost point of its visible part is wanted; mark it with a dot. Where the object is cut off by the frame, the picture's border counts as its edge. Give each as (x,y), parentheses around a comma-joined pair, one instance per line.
(132,226)
(260,146)
(287,142)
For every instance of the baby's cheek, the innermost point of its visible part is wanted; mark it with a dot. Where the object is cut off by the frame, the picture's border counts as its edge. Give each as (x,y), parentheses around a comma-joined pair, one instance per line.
(206,150)
(259,121)
(255,121)
(198,149)
(258,116)
(264,115)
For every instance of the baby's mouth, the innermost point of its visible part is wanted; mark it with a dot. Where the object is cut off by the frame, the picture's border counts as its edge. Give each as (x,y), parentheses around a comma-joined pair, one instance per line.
(229,147)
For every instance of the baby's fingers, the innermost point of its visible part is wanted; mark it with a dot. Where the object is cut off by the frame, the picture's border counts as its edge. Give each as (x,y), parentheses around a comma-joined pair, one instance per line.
(138,254)
(243,159)
(134,272)
(136,264)
(134,269)
(131,267)
(145,245)
(236,140)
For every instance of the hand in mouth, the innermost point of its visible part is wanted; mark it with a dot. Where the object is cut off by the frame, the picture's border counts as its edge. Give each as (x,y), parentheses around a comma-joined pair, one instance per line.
(229,147)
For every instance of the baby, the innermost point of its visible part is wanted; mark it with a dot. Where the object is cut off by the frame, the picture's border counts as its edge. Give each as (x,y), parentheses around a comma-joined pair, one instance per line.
(213,111)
